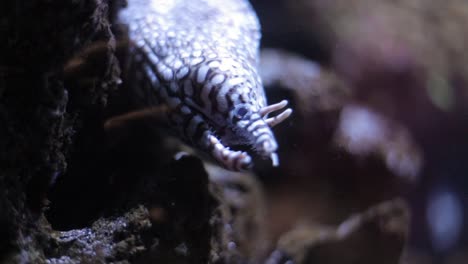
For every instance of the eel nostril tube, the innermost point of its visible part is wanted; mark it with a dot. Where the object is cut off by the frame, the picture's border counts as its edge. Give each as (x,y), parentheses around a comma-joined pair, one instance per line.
(273,121)
(274,107)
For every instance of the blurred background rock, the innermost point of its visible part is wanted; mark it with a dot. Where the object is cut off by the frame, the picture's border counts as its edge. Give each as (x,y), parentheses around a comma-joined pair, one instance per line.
(392,122)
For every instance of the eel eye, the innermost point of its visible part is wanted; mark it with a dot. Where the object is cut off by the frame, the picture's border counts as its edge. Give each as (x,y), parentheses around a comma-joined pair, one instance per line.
(241,112)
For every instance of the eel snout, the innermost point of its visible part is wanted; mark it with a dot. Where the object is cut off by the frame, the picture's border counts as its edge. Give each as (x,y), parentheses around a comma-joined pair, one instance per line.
(254,129)
(266,145)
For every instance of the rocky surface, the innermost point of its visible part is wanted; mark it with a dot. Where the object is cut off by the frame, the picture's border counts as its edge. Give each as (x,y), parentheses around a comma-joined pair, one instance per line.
(37,117)
(377,235)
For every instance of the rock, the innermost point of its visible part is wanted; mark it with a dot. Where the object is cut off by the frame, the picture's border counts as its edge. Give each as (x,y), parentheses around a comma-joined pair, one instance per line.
(37,121)
(377,235)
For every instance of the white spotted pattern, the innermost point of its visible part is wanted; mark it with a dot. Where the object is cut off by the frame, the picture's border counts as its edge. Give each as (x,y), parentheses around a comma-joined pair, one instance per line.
(199,57)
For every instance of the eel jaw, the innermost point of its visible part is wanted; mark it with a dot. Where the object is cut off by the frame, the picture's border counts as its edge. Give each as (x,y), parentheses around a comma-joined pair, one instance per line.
(229,159)
(240,160)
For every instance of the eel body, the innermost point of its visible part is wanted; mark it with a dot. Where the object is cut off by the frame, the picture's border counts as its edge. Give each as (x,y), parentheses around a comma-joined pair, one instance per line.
(199,58)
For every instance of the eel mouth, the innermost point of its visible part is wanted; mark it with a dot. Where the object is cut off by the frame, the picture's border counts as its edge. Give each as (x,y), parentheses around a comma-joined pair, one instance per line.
(238,156)
(235,160)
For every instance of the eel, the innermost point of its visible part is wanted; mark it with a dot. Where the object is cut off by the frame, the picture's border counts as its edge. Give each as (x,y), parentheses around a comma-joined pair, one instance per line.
(199,58)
